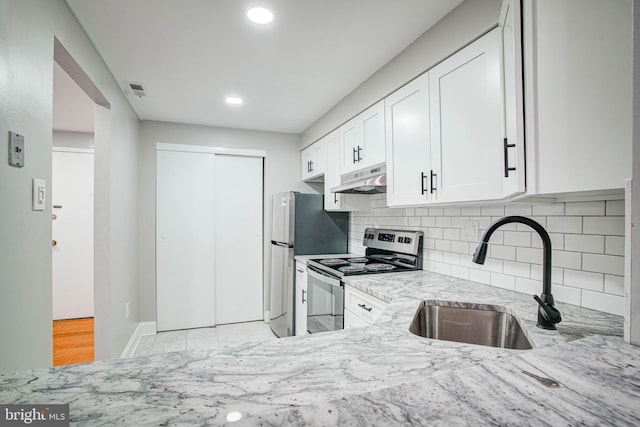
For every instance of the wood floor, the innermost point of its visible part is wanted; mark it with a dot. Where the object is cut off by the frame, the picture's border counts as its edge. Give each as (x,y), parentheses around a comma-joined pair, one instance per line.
(72,341)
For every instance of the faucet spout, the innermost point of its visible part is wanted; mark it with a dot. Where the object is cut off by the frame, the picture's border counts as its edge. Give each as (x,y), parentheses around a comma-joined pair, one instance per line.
(548,315)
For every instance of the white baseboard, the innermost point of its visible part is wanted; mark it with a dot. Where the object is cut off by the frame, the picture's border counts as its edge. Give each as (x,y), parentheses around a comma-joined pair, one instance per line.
(143,329)
(267,316)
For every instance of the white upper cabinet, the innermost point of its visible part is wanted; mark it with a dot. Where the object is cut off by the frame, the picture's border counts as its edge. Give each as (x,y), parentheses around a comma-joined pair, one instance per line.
(362,140)
(335,201)
(578,93)
(513,156)
(466,123)
(313,159)
(408,144)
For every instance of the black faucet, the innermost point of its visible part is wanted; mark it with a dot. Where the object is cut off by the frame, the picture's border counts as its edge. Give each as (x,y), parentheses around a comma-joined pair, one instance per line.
(548,315)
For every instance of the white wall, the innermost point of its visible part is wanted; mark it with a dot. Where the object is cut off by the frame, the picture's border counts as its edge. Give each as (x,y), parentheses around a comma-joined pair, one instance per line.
(282,173)
(27,31)
(469,20)
(73,139)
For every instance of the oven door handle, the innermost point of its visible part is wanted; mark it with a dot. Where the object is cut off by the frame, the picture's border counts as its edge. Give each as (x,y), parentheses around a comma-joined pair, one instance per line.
(323,276)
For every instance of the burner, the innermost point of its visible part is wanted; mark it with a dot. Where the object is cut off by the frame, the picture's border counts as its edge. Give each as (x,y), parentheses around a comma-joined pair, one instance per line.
(356,268)
(379,267)
(333,261)
(357,260)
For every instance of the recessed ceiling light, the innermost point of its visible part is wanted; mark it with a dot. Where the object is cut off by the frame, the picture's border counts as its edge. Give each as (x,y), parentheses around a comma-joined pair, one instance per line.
(260,15)
(233,100)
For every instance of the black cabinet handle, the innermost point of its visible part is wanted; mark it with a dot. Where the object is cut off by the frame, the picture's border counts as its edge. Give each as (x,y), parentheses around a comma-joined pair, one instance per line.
(354,155)
(310,165)
(433,175)
(359,158)
(303,293)
(364,307)
(422,178)
(335,198)
(506,147)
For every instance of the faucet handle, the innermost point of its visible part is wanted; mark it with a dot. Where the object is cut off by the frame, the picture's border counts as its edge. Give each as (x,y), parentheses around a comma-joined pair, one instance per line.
(548,315)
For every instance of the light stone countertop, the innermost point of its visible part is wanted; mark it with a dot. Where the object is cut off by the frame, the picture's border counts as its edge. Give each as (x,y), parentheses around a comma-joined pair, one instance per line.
(295,379)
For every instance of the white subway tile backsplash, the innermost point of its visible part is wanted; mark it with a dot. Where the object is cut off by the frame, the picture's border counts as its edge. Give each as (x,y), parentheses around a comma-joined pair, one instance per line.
(566,294)
(428,221)
(586,237)
(528,286)
(604,302)
(557,240)
(530,255)
(614,245)
(564,224)
(585,208)
(470,211)
(609,264)
(492,210)
(550,209)
(614,284)
(503,281)
(480,276)
(460,272)
(566,259)
(452,211)
(443,221)
(502,252)
(608,225)
(584,280)
(517,269)
(615,208)
(584,243)
(451,233)
(518,209)
(517,238)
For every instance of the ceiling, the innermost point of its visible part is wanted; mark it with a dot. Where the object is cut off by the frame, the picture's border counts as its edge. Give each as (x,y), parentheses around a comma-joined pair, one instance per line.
(191,54)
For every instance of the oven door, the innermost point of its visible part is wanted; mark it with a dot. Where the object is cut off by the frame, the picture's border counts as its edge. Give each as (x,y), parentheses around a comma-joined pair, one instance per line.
(325,301)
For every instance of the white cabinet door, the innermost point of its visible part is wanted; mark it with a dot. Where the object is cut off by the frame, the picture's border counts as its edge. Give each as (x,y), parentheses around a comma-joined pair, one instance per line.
(466,123)
(408,144)
(301,299)
(578,92)
(185,240)
(513,181)
(362,139)
(313,161)
(352,321)
(334,201)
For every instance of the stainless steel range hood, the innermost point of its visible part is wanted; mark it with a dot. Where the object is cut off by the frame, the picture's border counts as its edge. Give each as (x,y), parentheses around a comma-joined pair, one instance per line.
(372,180)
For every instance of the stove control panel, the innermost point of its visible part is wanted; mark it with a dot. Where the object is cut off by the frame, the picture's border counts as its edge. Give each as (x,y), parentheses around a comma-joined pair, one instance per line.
(408,242)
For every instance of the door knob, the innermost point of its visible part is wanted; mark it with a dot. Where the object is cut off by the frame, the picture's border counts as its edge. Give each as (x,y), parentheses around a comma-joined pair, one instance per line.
(54,243)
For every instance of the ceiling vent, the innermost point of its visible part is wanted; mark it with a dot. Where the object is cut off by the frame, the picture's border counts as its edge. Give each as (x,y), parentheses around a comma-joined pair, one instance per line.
(136,89)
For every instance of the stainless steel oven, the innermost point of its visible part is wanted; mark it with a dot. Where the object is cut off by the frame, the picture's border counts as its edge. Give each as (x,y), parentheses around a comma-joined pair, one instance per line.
(325,301)
(387,251)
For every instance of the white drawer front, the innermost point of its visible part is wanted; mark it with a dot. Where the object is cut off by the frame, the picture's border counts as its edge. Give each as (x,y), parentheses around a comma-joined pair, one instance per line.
(351,320)
(365,306)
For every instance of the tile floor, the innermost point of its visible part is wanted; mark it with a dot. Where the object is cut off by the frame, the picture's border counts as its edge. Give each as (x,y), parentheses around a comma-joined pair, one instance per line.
(205,338)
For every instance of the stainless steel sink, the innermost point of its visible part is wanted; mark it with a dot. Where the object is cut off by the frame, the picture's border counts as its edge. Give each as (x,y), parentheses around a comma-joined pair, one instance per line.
(488,325)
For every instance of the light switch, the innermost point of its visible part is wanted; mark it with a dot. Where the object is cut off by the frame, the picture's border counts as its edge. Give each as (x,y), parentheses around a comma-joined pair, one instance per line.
(16,150)
(39,194)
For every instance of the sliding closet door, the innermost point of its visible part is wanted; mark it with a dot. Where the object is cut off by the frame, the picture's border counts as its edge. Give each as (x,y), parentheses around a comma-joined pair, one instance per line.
(239,240)
(185,209)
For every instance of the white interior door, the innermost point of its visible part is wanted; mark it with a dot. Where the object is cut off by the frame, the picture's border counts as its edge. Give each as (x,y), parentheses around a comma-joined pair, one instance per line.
(72,233)
(238,227)
(185,240)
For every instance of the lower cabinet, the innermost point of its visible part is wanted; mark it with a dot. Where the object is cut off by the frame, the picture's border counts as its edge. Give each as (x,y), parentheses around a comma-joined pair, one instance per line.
(360,308)
(301,299)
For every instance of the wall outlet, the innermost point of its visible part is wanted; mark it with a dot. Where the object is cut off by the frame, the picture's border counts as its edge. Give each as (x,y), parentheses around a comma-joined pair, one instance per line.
(126,310)
(470,231)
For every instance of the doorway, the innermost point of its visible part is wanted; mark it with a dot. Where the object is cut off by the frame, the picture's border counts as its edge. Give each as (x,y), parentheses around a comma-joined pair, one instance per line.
(79,121)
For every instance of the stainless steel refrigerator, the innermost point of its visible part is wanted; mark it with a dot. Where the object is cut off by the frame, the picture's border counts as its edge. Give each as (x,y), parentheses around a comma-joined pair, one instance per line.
(300,227)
